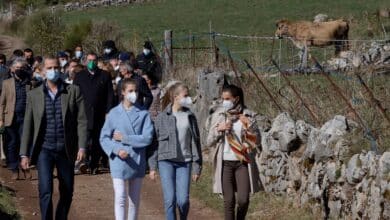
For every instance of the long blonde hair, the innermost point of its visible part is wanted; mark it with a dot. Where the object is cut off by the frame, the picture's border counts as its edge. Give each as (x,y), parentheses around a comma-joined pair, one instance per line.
(172,91)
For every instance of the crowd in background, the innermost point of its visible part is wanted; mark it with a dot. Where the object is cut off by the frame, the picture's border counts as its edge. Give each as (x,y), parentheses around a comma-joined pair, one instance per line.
(100,91)
(82,112)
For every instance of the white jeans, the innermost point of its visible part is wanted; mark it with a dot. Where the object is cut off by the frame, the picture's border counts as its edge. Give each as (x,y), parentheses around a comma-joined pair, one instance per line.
(133,193)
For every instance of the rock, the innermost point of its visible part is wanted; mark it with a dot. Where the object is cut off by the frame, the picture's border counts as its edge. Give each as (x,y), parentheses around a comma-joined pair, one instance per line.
(209,90)
(386,202)
(338,63)
(321,18)
(284,132)
(384,166)
(303,130)
(354,172)
(374,203)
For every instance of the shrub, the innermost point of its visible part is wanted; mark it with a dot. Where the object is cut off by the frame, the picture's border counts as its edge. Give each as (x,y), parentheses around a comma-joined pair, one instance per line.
(101,31)
(45,31)
(77,33)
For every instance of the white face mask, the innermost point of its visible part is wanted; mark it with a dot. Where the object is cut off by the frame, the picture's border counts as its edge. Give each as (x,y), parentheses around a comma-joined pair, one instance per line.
(63,63)
(117,79)
(116,68)
(78,54)
(131,97)
(227,104)
(146,51)
(186,102)
(107,50)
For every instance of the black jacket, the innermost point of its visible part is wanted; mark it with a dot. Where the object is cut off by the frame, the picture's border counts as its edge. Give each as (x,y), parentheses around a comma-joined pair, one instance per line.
(149,64)
(145,96)
(98,95)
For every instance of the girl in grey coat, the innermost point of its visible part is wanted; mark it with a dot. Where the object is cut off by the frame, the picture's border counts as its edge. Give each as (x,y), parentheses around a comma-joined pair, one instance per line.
(178,156)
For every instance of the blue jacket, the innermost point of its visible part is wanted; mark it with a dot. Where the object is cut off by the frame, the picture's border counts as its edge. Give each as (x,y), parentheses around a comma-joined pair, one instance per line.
(137,130)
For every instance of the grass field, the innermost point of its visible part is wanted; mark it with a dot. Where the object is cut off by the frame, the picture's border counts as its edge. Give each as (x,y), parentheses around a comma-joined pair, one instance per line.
(236,17)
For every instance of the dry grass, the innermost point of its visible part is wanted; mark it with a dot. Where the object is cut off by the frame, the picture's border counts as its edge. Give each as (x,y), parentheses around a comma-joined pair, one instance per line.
(316,91)
(262,205)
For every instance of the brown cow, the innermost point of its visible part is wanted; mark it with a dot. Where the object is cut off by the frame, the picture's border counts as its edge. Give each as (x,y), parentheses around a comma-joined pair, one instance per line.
(318,34)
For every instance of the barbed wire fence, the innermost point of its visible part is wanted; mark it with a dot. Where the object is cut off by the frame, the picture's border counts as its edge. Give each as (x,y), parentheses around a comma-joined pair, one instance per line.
(310,97)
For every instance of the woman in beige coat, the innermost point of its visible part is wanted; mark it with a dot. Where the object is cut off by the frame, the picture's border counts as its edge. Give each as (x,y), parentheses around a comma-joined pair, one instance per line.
(234,137)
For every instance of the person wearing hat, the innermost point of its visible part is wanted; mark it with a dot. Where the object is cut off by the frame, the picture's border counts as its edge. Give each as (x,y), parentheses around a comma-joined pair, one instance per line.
(109,50)
(148,62)
(63,60)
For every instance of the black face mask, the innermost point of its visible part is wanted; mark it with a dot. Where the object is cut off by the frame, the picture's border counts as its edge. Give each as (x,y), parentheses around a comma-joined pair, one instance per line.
(21,73)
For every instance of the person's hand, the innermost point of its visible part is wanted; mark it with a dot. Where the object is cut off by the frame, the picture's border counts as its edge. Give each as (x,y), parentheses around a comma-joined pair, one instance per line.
(117,136)
(24,163)
(123,154)
(245,120)
(81,155)
(226,126)
(153,175)
(195,177)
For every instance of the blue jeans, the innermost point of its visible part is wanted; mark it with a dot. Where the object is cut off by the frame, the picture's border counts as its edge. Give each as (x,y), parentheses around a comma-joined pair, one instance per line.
(175,181)
(47,160)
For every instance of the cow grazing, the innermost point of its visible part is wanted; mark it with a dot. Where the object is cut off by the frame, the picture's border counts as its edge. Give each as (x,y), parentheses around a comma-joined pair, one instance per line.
(315,34)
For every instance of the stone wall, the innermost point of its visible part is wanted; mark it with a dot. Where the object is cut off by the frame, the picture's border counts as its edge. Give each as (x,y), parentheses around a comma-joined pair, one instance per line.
(71,6)
(313,166)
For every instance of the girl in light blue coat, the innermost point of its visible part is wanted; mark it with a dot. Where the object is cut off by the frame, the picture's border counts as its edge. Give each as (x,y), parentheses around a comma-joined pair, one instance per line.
(124,137)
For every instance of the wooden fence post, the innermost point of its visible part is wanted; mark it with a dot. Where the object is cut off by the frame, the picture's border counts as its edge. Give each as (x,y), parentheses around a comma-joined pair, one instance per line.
(193,50)
(168,52)
(215,50)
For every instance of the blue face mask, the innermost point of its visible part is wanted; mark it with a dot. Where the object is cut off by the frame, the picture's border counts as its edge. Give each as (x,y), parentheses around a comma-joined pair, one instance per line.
(38,77)
(53,75)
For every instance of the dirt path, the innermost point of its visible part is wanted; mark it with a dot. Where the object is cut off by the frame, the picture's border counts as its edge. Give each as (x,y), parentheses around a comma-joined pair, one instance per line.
(93,199)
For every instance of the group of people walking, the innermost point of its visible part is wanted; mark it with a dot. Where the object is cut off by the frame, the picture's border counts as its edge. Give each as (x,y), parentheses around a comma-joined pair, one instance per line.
(88,112)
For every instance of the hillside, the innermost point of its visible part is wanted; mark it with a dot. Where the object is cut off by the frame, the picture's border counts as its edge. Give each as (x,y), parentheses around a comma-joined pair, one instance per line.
(246,17)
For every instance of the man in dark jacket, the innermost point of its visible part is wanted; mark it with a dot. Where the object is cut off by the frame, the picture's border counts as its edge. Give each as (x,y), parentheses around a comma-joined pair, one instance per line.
(54,135)
(145,96)
(109,50)
(96,87)
(148,62)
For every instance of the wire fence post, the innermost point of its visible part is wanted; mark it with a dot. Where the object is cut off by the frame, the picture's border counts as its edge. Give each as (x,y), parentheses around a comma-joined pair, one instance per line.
(168,52)
(193,50)
(215,50)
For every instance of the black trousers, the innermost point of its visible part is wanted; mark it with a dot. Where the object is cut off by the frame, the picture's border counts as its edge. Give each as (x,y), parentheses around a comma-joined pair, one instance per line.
(235,178)
(47,160)
(95,149)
